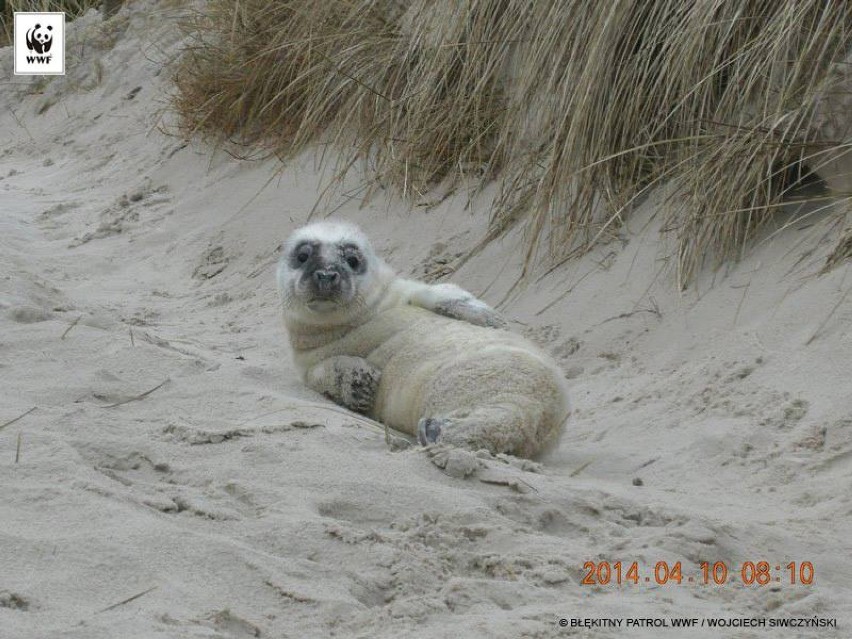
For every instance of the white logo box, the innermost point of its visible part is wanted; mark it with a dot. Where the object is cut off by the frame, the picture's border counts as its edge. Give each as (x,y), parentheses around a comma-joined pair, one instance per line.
(39,43)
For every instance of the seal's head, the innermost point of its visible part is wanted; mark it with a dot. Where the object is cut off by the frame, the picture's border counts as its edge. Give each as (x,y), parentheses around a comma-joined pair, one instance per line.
(328,273)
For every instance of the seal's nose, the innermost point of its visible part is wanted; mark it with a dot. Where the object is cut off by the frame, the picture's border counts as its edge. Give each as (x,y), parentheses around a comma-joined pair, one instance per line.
(325,279)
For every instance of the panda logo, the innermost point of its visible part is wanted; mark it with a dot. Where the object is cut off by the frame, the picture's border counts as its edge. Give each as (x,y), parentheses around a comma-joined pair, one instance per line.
(39,39)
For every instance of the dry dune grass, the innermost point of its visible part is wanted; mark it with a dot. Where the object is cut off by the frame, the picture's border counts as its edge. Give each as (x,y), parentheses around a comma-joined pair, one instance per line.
(72,9)
(576,109)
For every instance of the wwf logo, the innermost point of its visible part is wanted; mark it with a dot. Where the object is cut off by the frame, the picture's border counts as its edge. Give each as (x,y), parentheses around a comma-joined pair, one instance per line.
(39,39)
(39,42)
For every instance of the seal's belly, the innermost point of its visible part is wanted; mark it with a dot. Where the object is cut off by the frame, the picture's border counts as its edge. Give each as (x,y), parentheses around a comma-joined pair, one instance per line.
(430,348)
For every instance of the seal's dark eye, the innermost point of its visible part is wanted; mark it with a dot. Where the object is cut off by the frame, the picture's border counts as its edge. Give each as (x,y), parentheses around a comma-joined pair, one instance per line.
(353,262)
(303,253)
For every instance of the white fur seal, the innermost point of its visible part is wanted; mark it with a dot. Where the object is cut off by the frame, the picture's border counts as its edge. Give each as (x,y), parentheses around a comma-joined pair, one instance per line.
(428,360)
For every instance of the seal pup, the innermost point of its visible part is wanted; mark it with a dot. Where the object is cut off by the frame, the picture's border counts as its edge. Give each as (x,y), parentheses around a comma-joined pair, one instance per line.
(429,360)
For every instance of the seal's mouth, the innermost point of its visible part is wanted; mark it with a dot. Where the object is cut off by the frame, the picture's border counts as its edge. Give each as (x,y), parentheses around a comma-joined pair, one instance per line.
(323,305)
(324,290)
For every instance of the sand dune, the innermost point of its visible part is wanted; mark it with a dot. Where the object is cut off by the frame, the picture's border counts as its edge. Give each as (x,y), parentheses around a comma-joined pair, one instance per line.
(175,479)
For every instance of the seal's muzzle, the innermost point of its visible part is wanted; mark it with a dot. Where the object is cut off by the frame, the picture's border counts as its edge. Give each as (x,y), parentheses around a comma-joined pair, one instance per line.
(325,284)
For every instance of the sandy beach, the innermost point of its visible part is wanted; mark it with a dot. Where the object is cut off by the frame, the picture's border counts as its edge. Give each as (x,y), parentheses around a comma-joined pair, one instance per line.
(165,473)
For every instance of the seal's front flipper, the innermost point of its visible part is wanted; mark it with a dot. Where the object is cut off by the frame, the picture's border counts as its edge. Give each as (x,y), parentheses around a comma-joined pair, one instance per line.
(472,311)
(452,301)
(349,381)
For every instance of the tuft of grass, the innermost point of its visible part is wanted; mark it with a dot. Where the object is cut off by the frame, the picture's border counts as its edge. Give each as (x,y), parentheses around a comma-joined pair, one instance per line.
(276,75)
(577,110)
